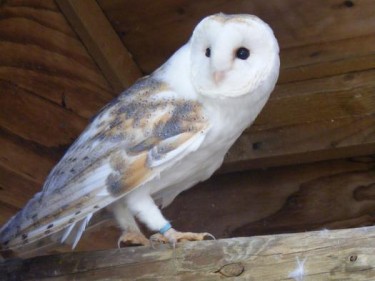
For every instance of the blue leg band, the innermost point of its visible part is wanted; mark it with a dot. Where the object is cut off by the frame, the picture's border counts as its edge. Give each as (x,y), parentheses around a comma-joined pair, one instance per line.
(165,228)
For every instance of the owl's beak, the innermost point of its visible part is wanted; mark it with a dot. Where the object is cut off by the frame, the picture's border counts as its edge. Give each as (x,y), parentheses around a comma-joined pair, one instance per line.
(219,76)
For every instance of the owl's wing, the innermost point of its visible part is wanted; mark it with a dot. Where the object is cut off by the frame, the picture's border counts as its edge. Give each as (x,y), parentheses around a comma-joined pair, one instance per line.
(130,142)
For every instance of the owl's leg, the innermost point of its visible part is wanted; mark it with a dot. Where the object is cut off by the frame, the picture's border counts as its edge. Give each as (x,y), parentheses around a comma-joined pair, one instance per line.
(131,234)
(142,205)
(144,208)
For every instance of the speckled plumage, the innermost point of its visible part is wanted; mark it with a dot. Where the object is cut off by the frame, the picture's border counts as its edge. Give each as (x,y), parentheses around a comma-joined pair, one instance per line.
(128,135)
(167,132)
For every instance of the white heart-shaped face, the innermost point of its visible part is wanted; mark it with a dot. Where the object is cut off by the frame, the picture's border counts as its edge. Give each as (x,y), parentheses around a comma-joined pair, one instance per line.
(231,55)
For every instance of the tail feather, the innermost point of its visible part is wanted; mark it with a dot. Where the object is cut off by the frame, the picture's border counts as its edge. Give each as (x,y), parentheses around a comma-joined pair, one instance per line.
(67,231)
(81,229)
(56,242)
(73,233)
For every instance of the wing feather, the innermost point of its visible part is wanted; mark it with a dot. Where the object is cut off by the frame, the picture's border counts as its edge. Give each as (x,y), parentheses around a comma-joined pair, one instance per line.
(127,144)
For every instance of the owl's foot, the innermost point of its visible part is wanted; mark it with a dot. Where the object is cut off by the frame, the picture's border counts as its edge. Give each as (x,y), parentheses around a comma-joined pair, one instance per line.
(172,236)
(132,238)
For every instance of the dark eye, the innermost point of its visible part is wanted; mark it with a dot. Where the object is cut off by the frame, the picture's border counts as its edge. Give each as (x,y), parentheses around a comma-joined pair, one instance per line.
(242,53)
(208,52)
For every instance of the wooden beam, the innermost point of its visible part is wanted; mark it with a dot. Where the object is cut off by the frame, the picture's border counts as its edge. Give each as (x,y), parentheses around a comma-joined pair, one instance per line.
(142,23)
(308,121)
(323,255)
(327,59)
(102,42)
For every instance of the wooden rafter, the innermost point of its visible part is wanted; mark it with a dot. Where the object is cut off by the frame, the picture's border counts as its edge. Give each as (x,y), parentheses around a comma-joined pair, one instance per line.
(102,42)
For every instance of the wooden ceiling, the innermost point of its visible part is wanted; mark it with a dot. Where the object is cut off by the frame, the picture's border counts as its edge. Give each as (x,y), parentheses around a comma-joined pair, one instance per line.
(52,80)
(43,65)
(153,30)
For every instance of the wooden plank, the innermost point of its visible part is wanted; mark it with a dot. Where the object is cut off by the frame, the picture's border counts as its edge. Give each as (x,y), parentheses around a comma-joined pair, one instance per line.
(36,46)
(330,194)
(45,5)
(20,158)
(102,42)
(45,12)
(309,121)
(15,189)
(6,212)
(49,88)
(326,59)
(142,24)
(302,144)
(332,98)
(22,173)
(324,255)
(82,98)
(36,120)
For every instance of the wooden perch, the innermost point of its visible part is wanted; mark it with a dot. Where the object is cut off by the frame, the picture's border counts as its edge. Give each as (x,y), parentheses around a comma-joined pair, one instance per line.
(323,255)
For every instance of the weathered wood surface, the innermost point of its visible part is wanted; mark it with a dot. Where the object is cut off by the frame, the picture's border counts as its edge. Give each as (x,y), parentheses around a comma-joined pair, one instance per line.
(323,255)
(102,42)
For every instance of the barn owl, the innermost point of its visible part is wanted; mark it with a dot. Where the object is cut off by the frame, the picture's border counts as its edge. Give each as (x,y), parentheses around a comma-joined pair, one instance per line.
(166,133)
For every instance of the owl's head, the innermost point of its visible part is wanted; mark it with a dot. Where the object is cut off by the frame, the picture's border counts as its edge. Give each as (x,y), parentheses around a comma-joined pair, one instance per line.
(232,55)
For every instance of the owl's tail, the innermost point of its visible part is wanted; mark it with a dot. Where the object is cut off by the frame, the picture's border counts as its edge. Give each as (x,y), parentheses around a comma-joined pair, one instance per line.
(61,241)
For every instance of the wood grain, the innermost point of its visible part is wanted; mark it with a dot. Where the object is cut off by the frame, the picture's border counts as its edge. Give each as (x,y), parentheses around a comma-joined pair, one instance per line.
(308,121)
(329,58)
(279,200)
(24,160)
(15,189)
(324,255)
(34,50)
(92,26)
(49,87)
(152,32)
(46,119)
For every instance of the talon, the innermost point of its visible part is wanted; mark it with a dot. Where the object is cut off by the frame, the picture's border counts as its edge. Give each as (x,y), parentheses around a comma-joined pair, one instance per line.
(158,238)
(132,239)
(209,235)
(172,236)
